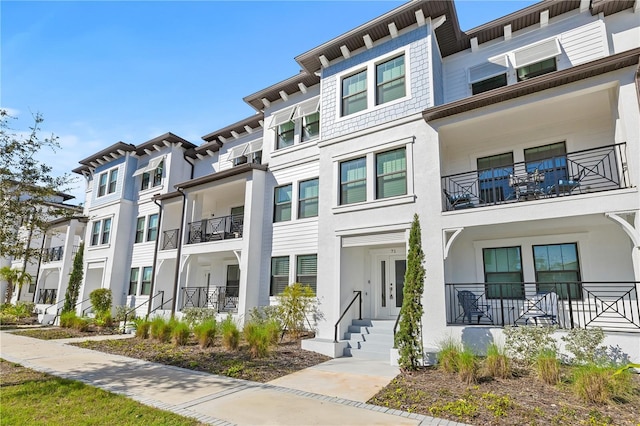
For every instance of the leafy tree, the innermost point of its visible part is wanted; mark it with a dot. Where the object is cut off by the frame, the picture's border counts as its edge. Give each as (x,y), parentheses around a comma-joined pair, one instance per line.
(408,338)
(75,279)
(101,301)
(28,190)
(296,302)
(14,277)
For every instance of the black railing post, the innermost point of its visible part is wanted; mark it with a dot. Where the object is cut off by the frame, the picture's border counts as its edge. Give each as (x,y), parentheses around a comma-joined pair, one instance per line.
(501,306)
(570,304)
(359,305)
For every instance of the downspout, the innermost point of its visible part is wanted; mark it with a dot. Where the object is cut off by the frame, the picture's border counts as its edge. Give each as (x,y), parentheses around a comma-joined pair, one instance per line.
(155,258)
(35,293)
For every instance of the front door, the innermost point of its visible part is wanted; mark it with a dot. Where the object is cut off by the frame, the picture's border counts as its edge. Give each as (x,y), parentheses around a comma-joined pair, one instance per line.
(391,270)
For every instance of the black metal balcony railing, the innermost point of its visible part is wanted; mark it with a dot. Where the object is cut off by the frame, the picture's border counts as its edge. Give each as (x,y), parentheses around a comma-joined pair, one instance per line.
(52,254)
(47,296)
(590,170)
(613,306)
(169,239)
(220,299)
(214,229)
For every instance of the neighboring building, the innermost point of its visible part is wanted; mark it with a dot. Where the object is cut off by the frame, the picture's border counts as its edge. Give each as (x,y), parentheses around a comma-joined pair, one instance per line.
(517,143)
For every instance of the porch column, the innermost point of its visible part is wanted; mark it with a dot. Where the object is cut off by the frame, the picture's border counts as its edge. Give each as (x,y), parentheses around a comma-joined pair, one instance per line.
(67,259)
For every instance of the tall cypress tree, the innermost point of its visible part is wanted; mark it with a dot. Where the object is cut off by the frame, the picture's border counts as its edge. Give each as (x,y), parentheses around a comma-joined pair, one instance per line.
(75,279)
(408,339)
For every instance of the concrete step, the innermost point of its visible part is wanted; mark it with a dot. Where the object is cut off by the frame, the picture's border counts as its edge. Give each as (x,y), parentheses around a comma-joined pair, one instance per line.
(370,347)
(367,329)
(363,354)
(377,324)
(373,338)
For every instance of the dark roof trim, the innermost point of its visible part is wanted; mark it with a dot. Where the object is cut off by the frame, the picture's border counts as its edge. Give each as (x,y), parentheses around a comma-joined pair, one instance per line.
(225,132)
(118,146)
(62,220)
(290,86)
(609,7)
(538,84)
(169,137)
(238,170)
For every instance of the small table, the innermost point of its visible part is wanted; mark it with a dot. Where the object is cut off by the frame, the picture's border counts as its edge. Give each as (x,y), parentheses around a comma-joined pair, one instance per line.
(527,186)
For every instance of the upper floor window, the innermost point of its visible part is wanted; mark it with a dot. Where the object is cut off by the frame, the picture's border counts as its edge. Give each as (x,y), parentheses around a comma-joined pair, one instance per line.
(489,84)
(282,204)
(488,75)
(133,281)
(308,198)
(107,182)
(152,178)
(539,68)
(285,134)
(250,152)
(493,177)
(152,228)
(147,273)
(354,93)
(310,126)
(102,184)
(536,59)
(390,80)
(391,170)
(140,230)
(113,181)
(353,181)
(100,232)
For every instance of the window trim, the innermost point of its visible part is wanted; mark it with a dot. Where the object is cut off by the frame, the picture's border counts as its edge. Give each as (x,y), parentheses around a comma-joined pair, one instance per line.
(272,275)
(113,181)
(102,186)
(378,176)
(98,232)
(132,283)
(347,182)
(522,289)
(149,228)
(276,204)
(140,231)
(378,85)
(301,200)
(298,258)
(344,97)
(578,271)
(143,282)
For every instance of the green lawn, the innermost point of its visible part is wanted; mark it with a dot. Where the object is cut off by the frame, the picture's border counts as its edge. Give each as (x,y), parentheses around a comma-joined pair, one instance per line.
(31,398)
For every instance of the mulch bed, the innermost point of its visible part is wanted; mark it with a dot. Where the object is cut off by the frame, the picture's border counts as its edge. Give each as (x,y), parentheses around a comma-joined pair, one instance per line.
(522,400)
(54,333)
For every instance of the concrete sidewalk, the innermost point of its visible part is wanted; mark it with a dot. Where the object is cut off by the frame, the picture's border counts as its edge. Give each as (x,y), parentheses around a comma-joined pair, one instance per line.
(209,398)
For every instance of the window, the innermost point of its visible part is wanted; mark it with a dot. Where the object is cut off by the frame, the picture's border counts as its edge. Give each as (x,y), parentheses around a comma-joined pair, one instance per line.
(145,181)
(233,281)
(282,204)
(146,281)
(152,178)
(95,233)
(310,126)
(113,181)
(354,93)
(279,274)
(391,170)
(285,134)
(493,177)
(152,228)
(503,273)
(102,184)
(390,80)
(139,230)
(353,181)
(106,231)
(558,270)
(157,174)
(308,198)
(550,159)
(489,84)
(133,281)
(32,286)
(307,270)
(534,70)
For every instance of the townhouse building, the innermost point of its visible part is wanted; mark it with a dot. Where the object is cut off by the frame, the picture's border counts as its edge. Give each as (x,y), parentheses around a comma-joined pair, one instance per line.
(517,143)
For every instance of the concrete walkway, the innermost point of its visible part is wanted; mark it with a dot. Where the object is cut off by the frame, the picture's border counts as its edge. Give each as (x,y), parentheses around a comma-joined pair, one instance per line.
(216,399)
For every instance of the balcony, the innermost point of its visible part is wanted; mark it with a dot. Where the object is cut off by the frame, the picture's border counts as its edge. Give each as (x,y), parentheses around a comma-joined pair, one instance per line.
(48,296)
(586,171)
(612,306)
(52,254)
(215,229)
(169,239)
(220,299)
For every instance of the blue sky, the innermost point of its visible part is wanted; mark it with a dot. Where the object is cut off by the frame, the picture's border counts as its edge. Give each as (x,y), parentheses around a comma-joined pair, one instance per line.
(103,72)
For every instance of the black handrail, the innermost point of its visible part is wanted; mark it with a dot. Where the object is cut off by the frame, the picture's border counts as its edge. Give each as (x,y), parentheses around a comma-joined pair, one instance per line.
(126,314)
(59,311)
(46,311)
(160,306)
(395,329)
(335,327)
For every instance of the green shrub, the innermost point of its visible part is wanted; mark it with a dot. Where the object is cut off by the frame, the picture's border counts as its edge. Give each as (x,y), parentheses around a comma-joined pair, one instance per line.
(156,328)
(23,309)
(467,366)
(497,363)
(81,324)
(7,318)
(274,330)
(600,384)
(258,338)
(103,320)
(195,316)
(180,332)
(142,328)
(448,355)
(67,319)
(101,300)
(526,342)
(230,333)
(122,311)
(262,314)
(206,332)
(295,303)
(584,344)
(547,366)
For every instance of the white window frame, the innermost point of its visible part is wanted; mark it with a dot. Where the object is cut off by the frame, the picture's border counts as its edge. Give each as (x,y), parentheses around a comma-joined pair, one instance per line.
(554,54)
(100,232)
(370,67)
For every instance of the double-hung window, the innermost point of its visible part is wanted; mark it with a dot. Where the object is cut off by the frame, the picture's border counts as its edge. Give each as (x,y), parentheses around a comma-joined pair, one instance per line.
(354,93)
(106,231)
(100,232)
(391,170)
(152,228)
(390,80)
(353,181)
(140,230)
(95,233)
(310,126)
(503,273)
(133,281)
(279,274)
(113,181)
(102,184)
(286,132)
(307,270)
(157,174)
(558,270)
(282,203)
(308,198)
(151,173)
(147,273)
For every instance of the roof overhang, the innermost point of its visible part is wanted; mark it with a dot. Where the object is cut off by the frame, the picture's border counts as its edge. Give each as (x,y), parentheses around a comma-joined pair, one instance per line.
(116,150)
(289,86)
(168,139)
(538,84)
(63,220)
(213,177)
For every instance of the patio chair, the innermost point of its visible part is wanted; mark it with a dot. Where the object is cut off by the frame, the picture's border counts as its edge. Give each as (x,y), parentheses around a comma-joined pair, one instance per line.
(566,186)
(458,201)
(469,302)
(543,306)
